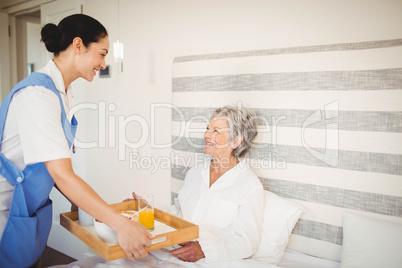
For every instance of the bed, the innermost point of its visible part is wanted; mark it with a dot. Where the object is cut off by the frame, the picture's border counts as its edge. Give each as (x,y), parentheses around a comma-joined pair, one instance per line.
(329,150)
(330,134)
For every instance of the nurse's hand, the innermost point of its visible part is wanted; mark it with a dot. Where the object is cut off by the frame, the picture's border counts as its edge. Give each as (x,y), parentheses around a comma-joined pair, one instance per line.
(190,251)
(132,238)
(131,235)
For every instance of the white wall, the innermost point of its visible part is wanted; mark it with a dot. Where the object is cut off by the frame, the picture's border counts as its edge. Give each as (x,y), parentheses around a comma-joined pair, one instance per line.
(4,58)
(34,45)
(155,31)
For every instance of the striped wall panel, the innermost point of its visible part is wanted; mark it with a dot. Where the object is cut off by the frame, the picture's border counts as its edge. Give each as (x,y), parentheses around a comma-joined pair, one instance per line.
(330,128)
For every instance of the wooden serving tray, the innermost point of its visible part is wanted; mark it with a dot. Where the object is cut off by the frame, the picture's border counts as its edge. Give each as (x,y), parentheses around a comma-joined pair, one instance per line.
(185,231)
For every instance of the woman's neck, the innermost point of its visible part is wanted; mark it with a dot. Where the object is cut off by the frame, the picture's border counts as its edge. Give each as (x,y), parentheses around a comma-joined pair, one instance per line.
(66,69)
(220,166)
(223,163)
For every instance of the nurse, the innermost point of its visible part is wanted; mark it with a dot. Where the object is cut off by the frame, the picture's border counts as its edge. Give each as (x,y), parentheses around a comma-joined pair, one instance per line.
(37,132)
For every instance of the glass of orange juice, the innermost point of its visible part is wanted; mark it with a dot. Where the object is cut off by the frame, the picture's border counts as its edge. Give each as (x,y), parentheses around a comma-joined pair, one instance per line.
(146,209)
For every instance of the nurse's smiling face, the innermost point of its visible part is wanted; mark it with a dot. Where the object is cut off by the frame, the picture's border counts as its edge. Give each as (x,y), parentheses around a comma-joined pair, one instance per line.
(216,138)
(93,58)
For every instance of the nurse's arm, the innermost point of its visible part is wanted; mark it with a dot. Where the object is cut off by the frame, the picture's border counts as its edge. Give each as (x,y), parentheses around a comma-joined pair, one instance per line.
(132,236)
(74,207)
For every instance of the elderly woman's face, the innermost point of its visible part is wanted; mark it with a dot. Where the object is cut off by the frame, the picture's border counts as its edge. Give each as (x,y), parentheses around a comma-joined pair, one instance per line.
(216,138)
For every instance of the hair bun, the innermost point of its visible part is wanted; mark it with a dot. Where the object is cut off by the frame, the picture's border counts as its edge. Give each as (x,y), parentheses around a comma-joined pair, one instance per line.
(51,37)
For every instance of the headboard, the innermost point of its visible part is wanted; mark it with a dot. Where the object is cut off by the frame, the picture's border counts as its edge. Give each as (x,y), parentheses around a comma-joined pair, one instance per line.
(330,119)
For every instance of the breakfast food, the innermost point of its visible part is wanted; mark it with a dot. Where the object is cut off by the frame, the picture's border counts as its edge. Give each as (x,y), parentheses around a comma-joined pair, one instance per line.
(130,214)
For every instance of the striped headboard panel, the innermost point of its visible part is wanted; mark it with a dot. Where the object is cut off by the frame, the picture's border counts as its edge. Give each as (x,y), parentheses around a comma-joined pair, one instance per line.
(330,119)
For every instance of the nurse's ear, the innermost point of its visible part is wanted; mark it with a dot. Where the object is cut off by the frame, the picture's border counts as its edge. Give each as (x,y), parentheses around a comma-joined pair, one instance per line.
(78,46)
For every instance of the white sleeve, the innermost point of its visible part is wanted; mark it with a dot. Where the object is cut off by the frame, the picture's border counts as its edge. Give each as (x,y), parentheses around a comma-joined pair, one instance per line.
(246,239)
(175,208)
(39,125)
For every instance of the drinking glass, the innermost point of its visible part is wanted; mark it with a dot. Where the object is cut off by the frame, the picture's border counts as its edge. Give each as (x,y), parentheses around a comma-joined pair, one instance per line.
(146,211)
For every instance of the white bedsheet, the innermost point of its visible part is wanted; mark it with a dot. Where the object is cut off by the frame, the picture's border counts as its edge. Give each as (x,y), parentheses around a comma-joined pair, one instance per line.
(295,259)
(162,258)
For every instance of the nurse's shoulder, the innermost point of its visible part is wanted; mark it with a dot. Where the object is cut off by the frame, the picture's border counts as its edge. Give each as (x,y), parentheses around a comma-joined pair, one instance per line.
(35,99)
(38,96)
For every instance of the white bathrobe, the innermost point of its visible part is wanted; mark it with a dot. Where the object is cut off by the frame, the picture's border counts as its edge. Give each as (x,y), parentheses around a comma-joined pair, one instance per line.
(229,213)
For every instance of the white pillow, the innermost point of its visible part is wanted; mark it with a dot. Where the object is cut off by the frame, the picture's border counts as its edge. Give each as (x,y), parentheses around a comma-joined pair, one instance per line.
(280,217)
(369,242)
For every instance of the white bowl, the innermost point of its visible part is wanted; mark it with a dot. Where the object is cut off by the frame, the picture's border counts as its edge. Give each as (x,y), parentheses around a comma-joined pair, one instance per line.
(106,233)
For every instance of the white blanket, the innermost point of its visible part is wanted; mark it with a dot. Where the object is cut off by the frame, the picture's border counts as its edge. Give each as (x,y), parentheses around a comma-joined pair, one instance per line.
(162,258)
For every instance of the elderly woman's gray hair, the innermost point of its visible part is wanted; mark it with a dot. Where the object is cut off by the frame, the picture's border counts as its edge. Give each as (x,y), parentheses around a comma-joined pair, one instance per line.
(242,122)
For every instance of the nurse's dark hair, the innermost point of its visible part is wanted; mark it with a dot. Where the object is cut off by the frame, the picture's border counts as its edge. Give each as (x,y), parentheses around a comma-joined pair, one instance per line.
(58,38)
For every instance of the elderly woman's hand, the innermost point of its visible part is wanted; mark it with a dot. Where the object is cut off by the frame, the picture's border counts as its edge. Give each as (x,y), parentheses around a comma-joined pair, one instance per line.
(190,251)
(135,197)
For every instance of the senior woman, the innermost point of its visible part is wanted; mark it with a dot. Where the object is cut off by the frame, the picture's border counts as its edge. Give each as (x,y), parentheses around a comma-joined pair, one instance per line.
(223,196)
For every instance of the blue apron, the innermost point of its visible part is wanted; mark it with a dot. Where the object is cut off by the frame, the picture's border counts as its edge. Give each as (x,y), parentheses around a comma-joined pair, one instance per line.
(30,216)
